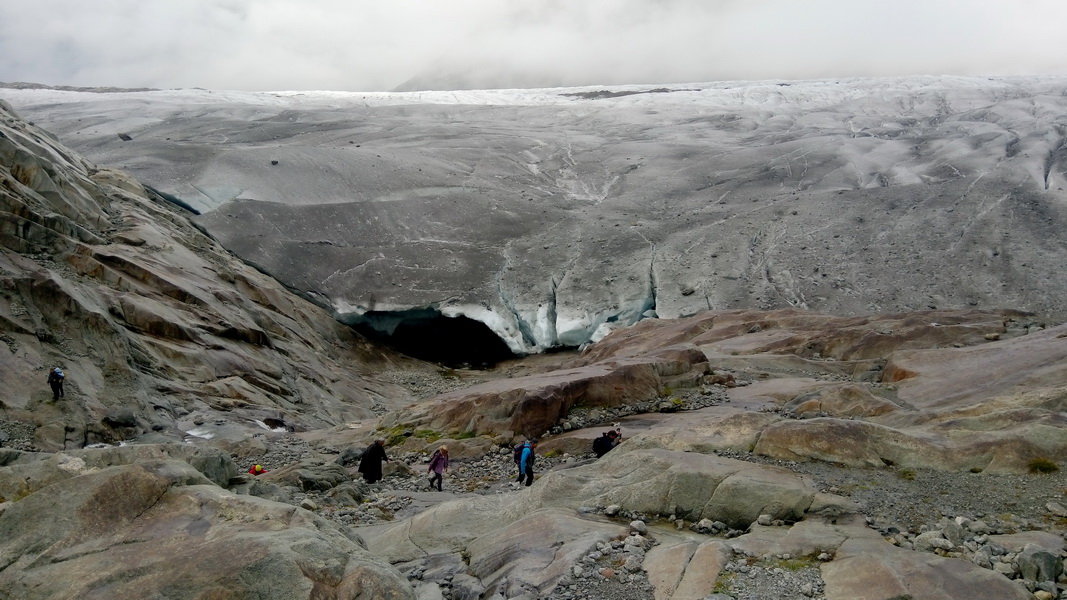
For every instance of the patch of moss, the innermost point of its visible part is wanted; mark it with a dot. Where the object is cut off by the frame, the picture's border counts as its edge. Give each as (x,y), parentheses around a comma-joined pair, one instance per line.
(796,563)
(427,434)
(23,491)
(906,474)
(1043,465)
(394,435)
(723,582)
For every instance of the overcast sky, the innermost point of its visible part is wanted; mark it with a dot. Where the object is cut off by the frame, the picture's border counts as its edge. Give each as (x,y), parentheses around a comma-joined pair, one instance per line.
(364,45)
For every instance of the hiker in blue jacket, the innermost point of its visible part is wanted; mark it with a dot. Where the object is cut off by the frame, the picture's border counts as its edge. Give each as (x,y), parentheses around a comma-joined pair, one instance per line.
(526,462)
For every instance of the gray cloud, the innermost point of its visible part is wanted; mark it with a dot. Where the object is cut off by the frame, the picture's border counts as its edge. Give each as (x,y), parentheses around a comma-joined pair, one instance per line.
(363,45)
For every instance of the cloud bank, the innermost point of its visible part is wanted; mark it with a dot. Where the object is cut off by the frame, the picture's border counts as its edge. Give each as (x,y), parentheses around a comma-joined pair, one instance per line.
(361,45)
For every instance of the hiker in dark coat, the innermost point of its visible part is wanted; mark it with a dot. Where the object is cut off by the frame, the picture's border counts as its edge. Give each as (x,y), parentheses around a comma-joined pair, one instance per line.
(55,381)
(370,464)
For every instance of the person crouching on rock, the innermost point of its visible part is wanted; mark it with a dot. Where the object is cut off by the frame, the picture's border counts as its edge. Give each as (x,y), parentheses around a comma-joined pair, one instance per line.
(257,470)
(603,444)
(526,463)
(55,381)
(438,466)
(370,464)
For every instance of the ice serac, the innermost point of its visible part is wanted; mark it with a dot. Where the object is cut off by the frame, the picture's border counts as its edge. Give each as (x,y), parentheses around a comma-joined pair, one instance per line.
(552,216)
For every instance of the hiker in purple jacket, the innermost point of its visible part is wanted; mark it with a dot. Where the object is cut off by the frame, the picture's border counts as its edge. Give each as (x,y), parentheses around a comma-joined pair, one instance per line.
(438,466)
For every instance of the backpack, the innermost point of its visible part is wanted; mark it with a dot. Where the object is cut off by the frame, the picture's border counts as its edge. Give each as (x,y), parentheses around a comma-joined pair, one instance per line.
(601,445)
(518,451)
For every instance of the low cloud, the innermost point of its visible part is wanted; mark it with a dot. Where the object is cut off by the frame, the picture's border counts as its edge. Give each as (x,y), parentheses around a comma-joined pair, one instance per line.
(360,45)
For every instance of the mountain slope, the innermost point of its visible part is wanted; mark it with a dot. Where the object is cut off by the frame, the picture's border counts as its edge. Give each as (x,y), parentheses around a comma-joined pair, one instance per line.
(159,329)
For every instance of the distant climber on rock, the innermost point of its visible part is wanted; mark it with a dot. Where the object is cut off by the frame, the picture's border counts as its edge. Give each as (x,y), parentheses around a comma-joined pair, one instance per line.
(370,464)
(55,381)
(603,444)
(257,470)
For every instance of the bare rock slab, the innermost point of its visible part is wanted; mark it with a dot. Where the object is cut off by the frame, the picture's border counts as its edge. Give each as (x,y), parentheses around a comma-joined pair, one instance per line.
(133,531)
(873,569)
(690,485)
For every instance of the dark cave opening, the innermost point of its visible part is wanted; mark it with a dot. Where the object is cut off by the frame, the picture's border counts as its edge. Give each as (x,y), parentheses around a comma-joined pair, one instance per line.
(426,334)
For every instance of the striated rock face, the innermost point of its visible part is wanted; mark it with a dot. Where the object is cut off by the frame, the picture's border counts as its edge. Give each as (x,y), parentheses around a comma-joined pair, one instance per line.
(553,216)
(163,335)
(158,328)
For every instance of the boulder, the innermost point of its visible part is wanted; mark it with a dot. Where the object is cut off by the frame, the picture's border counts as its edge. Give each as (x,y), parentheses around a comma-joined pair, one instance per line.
(686,484)
(310,475)
(137,531)
(1038,564)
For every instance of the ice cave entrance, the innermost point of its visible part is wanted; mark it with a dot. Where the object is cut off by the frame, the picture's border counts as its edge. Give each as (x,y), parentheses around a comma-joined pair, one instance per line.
(426,334)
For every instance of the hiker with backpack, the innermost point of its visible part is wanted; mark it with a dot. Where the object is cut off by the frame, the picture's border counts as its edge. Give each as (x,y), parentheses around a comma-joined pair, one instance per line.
(524,458)
(55,381)
(603,444)
(438,466)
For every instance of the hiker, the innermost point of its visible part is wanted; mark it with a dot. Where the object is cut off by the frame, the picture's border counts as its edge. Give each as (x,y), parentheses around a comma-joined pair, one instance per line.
(370,464)
(55,381)
(438,466)
(257,470)
(526,462)
(517,456)
(603,444)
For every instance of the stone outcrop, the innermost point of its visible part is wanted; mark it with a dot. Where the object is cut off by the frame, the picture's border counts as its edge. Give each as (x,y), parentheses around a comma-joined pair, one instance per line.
(531,405)
(152,528)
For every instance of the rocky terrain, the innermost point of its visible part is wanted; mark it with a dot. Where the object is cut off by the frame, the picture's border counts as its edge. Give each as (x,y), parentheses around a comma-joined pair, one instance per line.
(766,453)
